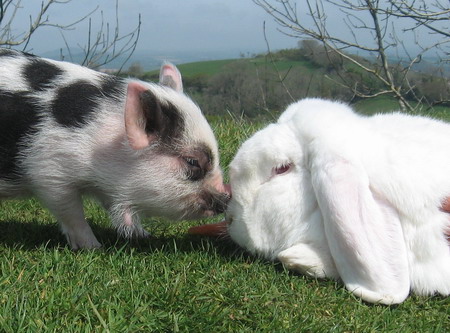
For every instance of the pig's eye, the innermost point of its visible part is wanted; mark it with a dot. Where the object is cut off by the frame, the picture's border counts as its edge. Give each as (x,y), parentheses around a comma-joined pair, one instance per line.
(192,162)
(194,171)
(282,169)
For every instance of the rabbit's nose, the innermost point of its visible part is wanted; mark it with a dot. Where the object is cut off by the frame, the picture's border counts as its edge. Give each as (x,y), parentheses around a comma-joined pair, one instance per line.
(446,205)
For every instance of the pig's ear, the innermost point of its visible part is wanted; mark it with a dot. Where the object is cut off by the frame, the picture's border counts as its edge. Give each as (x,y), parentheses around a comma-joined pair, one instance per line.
(147,118)
(170,76)
(135,118)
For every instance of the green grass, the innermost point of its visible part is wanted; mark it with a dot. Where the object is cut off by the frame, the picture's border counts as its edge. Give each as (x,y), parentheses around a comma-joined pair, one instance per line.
(207,68)
(389,104)
(284,65)
(199,68)
(174,282)
(213,67)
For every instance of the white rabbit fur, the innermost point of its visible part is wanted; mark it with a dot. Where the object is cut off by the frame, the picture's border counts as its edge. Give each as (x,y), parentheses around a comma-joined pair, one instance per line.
(358,199)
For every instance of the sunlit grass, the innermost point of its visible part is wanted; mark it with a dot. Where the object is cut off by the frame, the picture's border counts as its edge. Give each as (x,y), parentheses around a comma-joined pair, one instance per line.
(174,282)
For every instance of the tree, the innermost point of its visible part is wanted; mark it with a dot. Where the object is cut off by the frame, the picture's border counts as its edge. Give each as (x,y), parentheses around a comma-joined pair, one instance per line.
(101,47)
(135,69)
(320,55)
(370,31)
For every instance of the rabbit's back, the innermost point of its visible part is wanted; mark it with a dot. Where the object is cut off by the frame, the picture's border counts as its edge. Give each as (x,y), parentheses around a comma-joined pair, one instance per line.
(406,160)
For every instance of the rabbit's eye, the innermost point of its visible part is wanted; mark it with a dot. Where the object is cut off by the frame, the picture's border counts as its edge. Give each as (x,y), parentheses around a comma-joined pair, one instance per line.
(282,169)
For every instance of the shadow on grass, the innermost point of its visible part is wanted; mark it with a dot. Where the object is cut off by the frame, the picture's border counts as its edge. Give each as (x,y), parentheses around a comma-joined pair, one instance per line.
(29,235)
(35,233)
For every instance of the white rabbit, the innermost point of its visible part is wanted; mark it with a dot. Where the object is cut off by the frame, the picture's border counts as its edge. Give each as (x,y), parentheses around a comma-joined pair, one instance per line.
(334,194)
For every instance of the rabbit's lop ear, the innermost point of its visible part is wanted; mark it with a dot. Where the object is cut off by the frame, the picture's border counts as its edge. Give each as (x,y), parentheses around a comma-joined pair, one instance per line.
(362,229)
(310,260)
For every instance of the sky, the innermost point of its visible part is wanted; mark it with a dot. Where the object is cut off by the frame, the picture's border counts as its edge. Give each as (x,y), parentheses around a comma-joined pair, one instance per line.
(228,28)
(168,25)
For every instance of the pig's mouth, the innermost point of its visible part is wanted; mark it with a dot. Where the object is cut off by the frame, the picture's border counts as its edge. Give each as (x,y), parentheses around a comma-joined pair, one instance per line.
(213,203)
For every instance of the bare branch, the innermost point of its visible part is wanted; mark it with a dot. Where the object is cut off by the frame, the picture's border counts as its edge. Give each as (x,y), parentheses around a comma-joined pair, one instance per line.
(101,47)
(275,66)
(364,18)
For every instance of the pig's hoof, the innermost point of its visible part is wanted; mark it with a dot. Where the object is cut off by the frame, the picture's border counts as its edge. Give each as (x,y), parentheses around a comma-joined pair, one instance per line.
(143,234)
(132,232)
(139,233)
(78,244)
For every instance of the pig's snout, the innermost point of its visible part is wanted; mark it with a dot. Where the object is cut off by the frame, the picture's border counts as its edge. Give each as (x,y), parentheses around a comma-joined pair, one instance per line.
(221,202)
(227,189)
(216,202)
(224,199)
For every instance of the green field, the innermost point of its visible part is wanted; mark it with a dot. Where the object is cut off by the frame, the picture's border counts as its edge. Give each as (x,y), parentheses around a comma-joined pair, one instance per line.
(174,282)
(213,67)
(210,68)
(207,69)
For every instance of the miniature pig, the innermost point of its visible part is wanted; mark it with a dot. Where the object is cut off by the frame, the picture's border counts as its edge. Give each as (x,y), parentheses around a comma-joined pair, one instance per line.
(137,147)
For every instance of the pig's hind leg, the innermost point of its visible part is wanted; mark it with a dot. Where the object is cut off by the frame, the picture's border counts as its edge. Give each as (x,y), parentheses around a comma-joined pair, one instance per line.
(67,207)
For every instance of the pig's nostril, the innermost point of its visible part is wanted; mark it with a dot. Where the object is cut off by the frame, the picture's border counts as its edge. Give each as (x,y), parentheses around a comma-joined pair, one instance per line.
(222,202)
(216,202)
(220,208)
(227,198)
(227,189)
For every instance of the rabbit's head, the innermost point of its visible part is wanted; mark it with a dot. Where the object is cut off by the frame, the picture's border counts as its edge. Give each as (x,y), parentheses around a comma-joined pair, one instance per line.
(273,205)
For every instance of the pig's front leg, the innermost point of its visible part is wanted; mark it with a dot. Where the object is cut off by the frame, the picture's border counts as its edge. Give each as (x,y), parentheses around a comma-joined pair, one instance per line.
(124,219)
(131,225)
(68,210)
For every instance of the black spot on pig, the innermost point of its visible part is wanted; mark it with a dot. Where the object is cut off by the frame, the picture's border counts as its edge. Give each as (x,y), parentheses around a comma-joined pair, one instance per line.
(18,121)
(74,104)
(13,53)
(29,55)
(162,118)
(113,87)
(7,53)
(40,74)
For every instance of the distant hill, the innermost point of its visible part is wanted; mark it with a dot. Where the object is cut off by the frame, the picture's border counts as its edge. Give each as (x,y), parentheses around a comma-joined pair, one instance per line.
(212,67)
(252,86)
(149,60)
